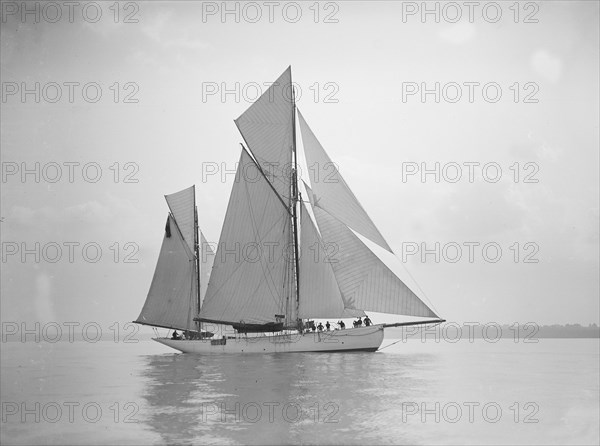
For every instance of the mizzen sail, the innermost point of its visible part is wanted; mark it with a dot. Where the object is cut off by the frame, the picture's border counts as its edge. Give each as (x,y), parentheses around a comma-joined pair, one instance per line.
(171,301)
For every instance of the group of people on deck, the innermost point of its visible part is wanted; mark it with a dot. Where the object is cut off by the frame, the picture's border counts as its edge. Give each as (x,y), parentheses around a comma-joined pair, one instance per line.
(187,335)
(310,325)
(359,322)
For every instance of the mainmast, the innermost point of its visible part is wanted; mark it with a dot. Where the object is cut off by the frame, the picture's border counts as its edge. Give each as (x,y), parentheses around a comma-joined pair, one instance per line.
(294,186)
(197,262)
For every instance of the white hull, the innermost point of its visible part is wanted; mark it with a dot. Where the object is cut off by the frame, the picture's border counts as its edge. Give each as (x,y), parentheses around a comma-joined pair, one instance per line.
(353,339)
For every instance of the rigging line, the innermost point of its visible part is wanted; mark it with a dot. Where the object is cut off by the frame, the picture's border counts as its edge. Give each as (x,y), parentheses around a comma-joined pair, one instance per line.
(262,172)
(389,345)
(419,287)
(399,340)
(279,178)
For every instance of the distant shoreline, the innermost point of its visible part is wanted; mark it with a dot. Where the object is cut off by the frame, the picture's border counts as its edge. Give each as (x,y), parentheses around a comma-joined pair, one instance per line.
(451,330)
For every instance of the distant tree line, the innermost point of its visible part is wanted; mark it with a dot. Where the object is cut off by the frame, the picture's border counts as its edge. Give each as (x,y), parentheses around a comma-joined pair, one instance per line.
(492,330)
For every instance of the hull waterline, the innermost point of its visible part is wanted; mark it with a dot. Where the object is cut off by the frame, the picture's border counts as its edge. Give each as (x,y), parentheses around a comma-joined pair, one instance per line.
(366,339)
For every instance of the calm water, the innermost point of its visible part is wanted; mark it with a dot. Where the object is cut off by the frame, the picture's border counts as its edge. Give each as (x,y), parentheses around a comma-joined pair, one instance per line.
(480,393)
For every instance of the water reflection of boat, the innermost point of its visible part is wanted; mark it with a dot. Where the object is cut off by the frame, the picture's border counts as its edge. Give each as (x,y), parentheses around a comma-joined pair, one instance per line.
(278,399)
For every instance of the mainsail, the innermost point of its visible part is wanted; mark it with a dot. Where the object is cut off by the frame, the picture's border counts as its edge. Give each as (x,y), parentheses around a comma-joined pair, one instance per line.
(171,301)
(331,191)
(206,263)
(251,279)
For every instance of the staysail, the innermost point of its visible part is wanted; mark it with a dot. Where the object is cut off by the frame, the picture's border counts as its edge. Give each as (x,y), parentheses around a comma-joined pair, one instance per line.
(251,280)
(331,191)
(171,301)
(321,295)
(365,282)
(268,131)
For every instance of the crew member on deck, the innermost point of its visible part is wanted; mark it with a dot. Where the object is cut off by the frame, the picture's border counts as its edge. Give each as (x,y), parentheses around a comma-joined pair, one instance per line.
(358,323)
(320,326)
(342,325)
(367,321)
(327,325)
(175,336)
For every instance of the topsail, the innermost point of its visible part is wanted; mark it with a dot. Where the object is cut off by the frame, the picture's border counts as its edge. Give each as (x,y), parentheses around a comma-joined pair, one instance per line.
(182,206)
(331,191)
(267,129)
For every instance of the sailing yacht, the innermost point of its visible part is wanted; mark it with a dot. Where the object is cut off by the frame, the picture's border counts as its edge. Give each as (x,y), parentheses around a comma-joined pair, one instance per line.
(290,252)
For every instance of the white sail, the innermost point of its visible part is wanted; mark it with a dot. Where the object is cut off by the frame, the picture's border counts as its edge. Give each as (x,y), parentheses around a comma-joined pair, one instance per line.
(320,293)
(250,280)
(365,281)
(182,205)
(172,301)
(267,128)
(206,263)
(331,191)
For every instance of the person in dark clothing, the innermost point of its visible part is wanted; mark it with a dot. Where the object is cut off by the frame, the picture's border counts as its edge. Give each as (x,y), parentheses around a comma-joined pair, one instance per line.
(175,336)
(367,321)
(312,325)
(342,325)
(327,325)
(358,323)
(320,326)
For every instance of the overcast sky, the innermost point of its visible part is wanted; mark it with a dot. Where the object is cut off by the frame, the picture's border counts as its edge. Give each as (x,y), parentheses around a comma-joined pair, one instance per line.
(351,69)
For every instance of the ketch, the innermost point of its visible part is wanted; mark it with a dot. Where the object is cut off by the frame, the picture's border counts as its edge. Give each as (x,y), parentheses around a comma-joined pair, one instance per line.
(290,251)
